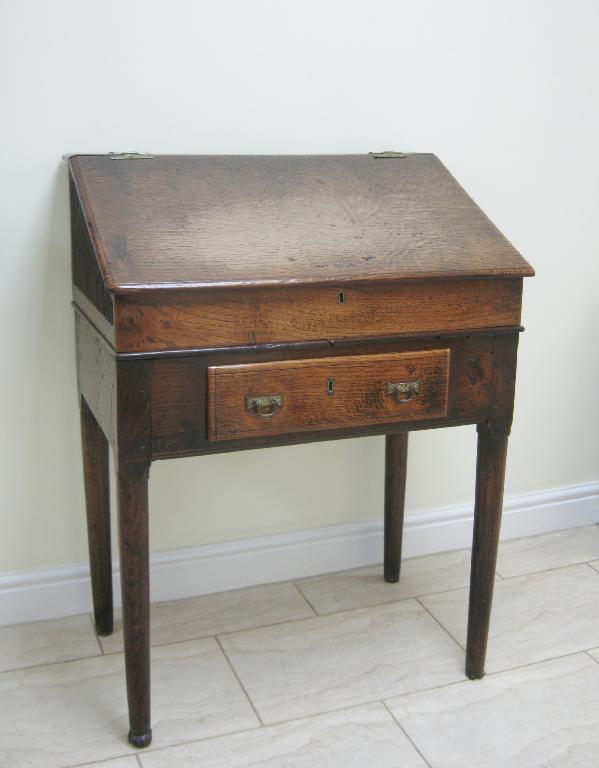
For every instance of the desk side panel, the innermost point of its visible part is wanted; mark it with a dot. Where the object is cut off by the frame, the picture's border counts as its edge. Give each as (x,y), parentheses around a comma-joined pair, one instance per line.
(90,293)
(96,375)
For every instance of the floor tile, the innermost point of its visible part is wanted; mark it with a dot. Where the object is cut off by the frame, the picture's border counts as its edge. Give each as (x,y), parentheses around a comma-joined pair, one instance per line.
(120,762)
(366,586)
(46,642)
(311,666)
(66,714)
(534,617)
(213,614)
(542,716)
(550,550)
(351,738)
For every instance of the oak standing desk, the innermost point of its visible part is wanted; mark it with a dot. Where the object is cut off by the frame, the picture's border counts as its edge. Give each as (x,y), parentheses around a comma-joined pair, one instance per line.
(233,302)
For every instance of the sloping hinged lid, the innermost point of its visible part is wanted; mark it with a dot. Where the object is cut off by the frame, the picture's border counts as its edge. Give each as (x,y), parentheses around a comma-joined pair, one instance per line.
(204,221)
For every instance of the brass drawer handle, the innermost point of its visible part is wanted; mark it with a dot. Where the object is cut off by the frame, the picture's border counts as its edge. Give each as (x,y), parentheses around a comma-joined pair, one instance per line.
(264,405)
(404,391)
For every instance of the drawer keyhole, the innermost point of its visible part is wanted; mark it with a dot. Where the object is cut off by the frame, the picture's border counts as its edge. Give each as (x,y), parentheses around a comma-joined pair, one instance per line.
(341,297)
(330,385)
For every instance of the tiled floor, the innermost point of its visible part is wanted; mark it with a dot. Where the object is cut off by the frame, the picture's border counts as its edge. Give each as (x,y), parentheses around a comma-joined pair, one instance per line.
(337,670)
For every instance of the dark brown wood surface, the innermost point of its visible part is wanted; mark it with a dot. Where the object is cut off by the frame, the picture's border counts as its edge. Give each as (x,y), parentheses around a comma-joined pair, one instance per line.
(179,390)
(97,503)
(96,375)
(490,474)
(132,484)
(221,318)
(202,221)
(154,408)
(396,464)
(326,393)
(200,280)
(132,454)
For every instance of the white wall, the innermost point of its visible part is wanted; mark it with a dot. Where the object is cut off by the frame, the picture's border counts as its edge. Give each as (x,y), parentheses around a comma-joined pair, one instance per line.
(506,93)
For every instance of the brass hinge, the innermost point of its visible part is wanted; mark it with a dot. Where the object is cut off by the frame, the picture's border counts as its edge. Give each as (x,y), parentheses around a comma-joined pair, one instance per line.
(129,156)
(387,153)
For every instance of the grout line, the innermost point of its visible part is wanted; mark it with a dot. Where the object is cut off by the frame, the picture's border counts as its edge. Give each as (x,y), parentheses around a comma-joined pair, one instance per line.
(234,671)
(496,673)
(299,589)
(590,655)
(326,615)
(91,618)
(323,713)
(432,688)
(101,761)
(51,664)
(263,727)
(138,758)
(289,721)
(535,663)
(396,600)
(263,626)
(346,708)
(266,726)
(405,733)
(550,570)
(63,661)
(432,615)
(230,632)
(152,750)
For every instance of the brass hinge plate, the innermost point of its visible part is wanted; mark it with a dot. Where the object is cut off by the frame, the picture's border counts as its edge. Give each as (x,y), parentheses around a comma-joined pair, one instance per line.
(386,154)
(129,156)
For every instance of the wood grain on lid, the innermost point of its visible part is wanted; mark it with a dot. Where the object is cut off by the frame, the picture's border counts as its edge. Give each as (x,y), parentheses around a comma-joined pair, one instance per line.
(205,221)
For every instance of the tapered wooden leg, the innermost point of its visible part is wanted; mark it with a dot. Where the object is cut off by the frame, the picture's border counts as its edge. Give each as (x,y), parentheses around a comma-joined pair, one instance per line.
(396,458)
(490,473)
(97,502)
(135,588)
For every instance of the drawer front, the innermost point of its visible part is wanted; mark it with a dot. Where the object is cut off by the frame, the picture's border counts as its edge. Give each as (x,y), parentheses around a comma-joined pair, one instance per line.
(326,393)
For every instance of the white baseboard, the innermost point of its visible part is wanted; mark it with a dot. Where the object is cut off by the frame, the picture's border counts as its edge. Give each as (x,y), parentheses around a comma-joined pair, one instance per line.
(55,592)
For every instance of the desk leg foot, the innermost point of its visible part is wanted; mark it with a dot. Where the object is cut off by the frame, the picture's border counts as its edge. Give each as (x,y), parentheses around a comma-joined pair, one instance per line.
(396,457)
(97,503)
(135,588)
(104,622)
(140,741)
(490,473)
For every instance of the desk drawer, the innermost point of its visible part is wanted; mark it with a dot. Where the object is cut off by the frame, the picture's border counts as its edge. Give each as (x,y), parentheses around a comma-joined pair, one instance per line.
(326,393)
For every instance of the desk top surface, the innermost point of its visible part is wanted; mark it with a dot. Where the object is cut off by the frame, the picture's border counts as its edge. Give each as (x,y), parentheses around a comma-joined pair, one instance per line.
(168,222)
